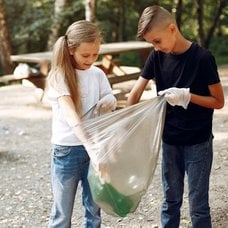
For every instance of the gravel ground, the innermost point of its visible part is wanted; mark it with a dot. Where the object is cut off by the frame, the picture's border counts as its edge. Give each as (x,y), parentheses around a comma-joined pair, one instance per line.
(25,190)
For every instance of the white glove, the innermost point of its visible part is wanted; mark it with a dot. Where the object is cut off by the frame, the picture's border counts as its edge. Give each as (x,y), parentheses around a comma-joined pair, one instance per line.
(105,104)
(177,96)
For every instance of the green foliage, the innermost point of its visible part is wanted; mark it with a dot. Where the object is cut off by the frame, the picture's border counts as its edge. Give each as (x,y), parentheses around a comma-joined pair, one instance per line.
(189,25)
(130,59)
(30,25)
(29,22)
(73,12)
(219,48)
(110,14)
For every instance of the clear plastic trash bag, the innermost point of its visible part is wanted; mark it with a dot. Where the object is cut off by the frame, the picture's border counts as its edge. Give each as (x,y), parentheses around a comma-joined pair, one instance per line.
(124,148)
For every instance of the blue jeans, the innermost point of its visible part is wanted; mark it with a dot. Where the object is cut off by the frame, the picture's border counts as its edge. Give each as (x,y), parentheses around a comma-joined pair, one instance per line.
(69,166)
(196,161)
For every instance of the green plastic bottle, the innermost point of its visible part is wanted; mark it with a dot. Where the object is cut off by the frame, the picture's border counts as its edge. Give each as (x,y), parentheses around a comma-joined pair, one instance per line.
(104,194)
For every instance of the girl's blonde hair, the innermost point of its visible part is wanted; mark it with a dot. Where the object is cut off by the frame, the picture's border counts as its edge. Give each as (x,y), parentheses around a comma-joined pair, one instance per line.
(64,64)
(153,16)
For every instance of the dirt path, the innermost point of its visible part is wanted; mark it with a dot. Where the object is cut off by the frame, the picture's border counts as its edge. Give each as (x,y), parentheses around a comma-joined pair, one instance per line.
(25,190)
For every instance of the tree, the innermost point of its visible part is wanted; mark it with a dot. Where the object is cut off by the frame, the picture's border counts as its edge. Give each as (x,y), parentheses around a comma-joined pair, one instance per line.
(205,37)
(90,10)
(118,19)
(5,44)
(43,21)
(59,8)
(177,11)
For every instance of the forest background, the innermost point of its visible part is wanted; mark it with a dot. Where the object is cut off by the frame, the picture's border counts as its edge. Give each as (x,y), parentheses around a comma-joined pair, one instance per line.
(33,26)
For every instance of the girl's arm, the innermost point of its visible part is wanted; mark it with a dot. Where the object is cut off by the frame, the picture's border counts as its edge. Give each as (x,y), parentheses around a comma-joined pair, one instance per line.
(67,106)
(72,118)
(214,101)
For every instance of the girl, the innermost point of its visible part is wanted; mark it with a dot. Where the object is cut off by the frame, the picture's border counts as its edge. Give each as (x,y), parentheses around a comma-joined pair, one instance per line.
(78,91)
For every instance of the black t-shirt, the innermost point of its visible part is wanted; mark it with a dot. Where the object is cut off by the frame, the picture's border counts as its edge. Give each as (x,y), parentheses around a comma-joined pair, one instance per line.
(195,69)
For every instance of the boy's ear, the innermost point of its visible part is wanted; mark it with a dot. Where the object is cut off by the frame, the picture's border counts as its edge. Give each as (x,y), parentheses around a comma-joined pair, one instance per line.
(172,27)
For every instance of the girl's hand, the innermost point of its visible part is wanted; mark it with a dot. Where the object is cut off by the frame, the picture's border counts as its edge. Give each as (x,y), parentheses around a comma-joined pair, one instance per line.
(105,104)
(80,133)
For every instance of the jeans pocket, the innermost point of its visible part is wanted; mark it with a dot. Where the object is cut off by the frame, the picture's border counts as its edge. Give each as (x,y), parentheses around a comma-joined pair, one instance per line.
(60,151)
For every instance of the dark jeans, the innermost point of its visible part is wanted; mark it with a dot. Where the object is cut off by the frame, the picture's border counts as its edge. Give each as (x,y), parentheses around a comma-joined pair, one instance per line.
(196,161)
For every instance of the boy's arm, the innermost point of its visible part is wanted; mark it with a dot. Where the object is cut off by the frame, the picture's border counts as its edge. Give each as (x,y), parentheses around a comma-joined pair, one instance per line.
(182,97)
(214,101)
(137,91)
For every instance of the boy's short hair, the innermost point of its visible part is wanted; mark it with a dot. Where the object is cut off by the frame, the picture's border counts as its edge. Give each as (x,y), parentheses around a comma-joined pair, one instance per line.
(153,16)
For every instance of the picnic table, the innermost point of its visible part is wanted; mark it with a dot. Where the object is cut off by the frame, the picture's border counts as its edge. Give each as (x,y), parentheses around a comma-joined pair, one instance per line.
(44,58)
(115,72)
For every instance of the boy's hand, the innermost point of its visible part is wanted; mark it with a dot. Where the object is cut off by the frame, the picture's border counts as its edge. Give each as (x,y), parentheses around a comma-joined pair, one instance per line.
(177,96)
(105,104)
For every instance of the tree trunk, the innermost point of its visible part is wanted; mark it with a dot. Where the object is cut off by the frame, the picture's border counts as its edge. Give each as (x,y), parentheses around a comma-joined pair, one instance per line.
(120,23)
(177,10)
(57,23)
(5,44)
(206,38)
(218,12)
(124,8)
(90,10)
(200,22)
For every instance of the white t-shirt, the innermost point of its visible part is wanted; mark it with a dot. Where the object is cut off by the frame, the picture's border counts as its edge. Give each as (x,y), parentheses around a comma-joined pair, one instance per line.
(93,86)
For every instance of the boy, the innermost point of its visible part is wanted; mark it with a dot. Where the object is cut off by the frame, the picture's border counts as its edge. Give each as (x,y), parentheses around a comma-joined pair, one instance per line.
(186,74)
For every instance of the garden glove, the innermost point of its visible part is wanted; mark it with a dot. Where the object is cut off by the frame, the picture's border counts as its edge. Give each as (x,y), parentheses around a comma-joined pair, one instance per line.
(177,96)
(105,104)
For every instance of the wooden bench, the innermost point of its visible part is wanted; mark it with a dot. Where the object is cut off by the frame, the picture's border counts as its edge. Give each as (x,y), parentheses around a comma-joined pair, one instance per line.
(9,79)
(113,79)
(36,81)
(116,73)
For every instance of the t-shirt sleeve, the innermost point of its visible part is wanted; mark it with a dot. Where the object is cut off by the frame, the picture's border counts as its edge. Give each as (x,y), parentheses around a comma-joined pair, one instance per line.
(148,71)
(209,68)
(105,87)
(58,88)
